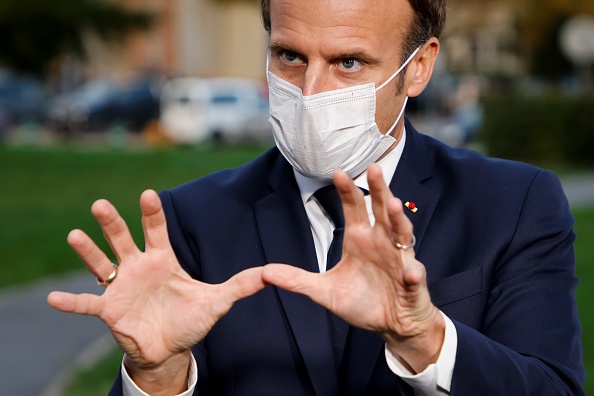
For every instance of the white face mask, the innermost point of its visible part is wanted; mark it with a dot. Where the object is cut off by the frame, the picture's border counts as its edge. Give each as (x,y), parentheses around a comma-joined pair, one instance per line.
(331,130)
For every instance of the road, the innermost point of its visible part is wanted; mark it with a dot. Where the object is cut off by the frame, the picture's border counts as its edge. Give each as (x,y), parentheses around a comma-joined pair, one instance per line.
(39,345)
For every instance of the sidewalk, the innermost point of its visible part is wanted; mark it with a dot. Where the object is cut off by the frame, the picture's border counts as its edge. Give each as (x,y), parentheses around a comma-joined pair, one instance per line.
(579,190)
(40,347)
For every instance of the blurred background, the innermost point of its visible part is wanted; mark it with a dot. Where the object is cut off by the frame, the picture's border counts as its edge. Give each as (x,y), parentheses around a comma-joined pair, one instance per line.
(103,98)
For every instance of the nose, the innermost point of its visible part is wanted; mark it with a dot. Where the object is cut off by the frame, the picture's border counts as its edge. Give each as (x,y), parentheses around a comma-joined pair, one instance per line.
(316,79)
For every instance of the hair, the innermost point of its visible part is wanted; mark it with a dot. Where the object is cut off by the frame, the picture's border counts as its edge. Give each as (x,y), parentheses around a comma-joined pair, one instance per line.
(429,20)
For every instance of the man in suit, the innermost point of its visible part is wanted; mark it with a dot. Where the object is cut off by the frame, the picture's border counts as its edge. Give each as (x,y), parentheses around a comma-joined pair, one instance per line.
(463,284)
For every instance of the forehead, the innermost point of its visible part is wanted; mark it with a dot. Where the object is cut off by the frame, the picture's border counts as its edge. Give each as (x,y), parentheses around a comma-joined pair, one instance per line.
(339,25)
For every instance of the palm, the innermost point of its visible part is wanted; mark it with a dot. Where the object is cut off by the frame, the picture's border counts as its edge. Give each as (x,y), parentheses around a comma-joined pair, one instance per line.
(160,310)
(154,309)
(368,287)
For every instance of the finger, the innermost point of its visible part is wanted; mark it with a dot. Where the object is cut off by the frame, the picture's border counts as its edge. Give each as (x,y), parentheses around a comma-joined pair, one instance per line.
(95,260)
(380,196)
(401,227)
(83,304)
(414,276)
(298,280)
(114,228)
(243,284)
(353,203)
(153,221)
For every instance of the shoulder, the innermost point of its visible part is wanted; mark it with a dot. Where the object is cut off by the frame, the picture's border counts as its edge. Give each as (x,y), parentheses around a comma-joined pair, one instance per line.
(472,184)
(476,172)
(472,162)
(225,190)
(247,181)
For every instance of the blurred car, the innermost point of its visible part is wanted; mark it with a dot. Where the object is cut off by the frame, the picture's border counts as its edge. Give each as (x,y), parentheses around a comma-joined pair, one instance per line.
(101,104)
(67,110)
(22,100)
(223,109)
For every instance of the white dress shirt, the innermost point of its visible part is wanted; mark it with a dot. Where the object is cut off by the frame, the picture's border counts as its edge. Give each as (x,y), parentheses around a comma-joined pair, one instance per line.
(436,379)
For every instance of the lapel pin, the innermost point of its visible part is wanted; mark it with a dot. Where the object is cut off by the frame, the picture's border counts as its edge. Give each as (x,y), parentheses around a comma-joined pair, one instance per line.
(412,206)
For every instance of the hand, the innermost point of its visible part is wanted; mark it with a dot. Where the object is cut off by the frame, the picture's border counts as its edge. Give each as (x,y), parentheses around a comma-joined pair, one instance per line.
(154,309)
(375,286)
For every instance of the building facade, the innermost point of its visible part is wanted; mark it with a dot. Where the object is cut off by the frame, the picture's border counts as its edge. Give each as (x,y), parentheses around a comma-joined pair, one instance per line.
(188,38)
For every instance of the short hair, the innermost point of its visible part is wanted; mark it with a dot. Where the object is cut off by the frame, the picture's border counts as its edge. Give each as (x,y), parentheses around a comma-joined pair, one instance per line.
(429,20)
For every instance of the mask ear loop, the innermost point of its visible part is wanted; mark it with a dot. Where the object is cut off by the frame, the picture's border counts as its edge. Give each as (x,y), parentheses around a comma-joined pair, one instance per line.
(267,62)
(406,98)
(398,118)
(399,70)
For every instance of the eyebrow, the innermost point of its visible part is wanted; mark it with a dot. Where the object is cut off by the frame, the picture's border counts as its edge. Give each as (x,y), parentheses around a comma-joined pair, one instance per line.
(357,54)
(281,46)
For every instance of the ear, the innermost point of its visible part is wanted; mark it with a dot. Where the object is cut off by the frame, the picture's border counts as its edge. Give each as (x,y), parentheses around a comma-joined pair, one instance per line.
(421,67)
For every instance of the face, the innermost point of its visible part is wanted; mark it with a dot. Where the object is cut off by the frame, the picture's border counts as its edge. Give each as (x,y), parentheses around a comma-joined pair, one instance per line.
(323,45)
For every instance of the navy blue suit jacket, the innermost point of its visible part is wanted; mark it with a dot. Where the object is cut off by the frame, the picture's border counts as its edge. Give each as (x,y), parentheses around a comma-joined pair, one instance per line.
(495,236)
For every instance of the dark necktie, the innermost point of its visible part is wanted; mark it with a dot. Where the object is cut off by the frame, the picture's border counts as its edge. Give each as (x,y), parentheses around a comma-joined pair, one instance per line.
(330,200)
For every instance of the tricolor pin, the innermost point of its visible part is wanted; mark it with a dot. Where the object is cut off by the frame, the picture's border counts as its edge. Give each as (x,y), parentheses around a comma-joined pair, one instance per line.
(412,206)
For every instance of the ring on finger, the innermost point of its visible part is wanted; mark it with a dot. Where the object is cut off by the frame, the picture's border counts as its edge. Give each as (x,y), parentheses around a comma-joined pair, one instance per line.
(405,247)
(106,282)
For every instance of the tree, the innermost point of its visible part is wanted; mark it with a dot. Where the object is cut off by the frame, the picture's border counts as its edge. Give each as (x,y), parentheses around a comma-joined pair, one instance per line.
(36,32)
(541,22)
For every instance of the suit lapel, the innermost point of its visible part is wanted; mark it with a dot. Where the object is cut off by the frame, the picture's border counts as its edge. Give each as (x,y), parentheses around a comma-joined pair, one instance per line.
(286,238)
(363,351)
(410,183)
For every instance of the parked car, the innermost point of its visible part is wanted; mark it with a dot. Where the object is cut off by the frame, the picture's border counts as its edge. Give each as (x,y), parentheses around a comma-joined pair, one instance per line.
(224,109)
(22,100)
(100,104)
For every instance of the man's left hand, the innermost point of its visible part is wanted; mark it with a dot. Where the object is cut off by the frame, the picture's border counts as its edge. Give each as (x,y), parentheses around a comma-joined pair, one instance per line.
(376,285)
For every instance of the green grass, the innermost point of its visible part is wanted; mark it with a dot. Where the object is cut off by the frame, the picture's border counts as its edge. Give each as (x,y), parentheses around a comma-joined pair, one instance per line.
(98,379)
(46,193)
(584,249)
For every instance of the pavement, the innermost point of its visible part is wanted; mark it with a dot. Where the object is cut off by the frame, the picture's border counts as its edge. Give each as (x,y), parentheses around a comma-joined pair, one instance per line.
(40,348)
(579,190)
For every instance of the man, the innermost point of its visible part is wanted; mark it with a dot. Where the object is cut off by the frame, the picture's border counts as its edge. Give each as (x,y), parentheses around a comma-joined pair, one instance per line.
(478,300)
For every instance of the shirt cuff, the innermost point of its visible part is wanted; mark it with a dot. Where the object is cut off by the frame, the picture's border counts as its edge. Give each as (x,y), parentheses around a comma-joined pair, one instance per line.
(129,388)
(436,379)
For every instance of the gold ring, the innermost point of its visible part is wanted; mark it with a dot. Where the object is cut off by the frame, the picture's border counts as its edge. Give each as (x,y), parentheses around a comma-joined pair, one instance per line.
(404,247)
(110,278)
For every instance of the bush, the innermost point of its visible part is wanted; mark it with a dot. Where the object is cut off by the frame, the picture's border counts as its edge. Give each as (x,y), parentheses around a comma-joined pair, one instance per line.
(548,129)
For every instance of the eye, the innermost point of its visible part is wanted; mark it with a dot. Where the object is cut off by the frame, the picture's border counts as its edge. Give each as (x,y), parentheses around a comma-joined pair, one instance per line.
(290,57)
(350,64)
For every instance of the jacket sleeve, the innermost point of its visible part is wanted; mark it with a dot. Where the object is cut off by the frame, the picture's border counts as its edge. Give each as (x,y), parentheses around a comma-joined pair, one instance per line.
(189,258)
(529,343)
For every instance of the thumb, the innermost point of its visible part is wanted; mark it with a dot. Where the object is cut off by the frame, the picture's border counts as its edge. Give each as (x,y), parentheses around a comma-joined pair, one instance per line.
(243,284)
(299,281)
(83,304)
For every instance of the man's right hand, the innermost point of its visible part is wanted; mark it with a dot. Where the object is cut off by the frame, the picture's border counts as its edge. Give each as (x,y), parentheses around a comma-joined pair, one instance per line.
(154,309)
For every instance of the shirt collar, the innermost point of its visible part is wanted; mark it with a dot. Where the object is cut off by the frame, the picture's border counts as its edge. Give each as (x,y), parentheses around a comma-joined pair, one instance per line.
(388,164)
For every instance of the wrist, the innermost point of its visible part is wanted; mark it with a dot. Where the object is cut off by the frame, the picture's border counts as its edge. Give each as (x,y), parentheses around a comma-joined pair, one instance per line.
(169,377)
(416,352)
